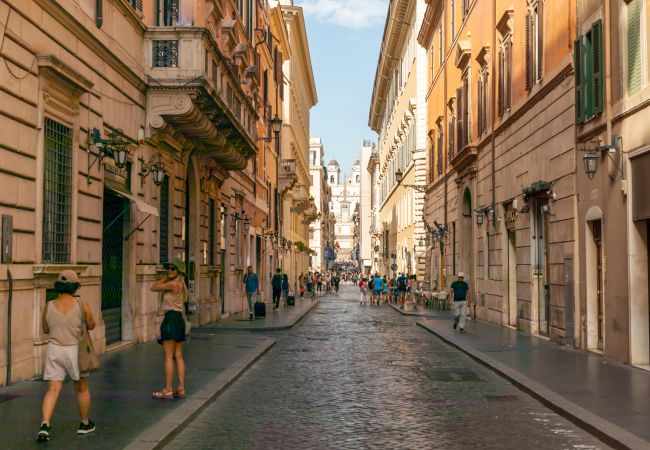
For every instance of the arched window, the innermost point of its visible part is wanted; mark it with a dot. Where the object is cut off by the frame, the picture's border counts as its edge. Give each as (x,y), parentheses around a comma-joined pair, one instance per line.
(357,178)
(332,179)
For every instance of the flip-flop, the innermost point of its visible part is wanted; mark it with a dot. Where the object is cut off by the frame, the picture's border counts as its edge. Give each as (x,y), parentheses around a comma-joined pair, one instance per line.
(163,395)
(179,393)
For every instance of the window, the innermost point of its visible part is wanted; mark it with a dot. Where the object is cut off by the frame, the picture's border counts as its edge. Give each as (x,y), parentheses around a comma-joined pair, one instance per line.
(462,114)
(167,13)
(57,196)
(483,106)
(277,72)
(534,43)
(358,179)
(588,68)
(250,19)
(332,179)
(212,212)
(163,231)
(440,150)
(136,4)
(222,229)
(440,48)
(451,134)
(452,12)
(432,156)
(465,8)
(633,33)
(505,74)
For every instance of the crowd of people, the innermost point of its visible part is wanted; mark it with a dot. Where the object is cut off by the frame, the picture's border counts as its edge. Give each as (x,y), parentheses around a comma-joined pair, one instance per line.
(381,289)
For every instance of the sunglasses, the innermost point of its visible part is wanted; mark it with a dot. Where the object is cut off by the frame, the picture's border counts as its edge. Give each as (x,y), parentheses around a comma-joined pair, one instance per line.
(169,267)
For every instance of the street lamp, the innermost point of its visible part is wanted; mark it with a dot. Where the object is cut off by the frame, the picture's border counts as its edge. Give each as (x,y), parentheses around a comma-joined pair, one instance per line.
(276,124)
(594,154)
(590,160)
(399,176)
(153,167)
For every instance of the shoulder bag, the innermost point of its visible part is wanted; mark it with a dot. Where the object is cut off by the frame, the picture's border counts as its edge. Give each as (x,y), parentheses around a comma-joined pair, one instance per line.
(87,359)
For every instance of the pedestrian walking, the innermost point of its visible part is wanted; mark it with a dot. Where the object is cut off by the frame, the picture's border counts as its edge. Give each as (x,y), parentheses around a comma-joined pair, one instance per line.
(285,288)
(459,298)
(402,284)
(363,290)
(378,286)
(252,285)
(62,320)
(276,284)
(172,328)
(319,283)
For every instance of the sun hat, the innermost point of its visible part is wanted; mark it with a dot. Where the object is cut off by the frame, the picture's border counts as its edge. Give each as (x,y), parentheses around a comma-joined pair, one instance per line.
(178,263)
(461,274)
(68,276)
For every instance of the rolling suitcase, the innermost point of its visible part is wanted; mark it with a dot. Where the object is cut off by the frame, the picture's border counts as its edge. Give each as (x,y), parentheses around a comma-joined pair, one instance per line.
(291,300)
(259,307)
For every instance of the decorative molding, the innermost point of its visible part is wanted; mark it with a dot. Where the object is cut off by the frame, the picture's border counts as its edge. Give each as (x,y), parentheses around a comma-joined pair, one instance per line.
(482,56)
(506,22)
(463,54)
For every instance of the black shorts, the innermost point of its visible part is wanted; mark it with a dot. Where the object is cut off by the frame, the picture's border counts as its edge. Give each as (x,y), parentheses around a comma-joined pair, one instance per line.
(173,327)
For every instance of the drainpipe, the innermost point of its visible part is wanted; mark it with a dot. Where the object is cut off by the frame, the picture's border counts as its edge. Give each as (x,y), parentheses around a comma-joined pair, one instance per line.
(493,82)
(445,150)
(10,282)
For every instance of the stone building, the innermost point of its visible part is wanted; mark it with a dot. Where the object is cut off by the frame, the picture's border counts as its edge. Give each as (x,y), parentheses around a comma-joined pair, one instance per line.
(398,113)
(365,207)
(345,197)
(501,203)
(297,98)
(320,235)
(613,212)
(101,99)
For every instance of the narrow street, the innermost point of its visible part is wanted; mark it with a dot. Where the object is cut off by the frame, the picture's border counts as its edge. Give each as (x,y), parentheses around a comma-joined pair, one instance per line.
(350,377)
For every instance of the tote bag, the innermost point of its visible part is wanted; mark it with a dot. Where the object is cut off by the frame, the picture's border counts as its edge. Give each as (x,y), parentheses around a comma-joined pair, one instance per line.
(87,358)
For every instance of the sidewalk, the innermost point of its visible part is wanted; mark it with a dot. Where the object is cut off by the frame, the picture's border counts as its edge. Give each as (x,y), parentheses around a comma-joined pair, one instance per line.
(282,319)
(420,311)
(606,398)
(123,409)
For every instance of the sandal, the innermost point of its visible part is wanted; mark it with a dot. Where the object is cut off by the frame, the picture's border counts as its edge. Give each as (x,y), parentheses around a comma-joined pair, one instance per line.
(163,395)
(179,393)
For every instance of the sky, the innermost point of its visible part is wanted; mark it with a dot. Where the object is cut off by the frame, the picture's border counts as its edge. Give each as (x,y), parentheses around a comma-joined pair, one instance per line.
(344,39)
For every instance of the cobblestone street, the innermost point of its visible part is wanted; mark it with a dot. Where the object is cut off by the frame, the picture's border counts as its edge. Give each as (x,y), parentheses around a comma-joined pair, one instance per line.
(351,377)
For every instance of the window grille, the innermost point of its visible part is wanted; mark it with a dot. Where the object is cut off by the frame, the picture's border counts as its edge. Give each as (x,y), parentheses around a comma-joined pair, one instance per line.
(211,231)
(164,221)
(165,53)
(57,196)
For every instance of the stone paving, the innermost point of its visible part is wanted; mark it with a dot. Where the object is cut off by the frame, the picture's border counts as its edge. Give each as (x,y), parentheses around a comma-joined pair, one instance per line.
(350,376)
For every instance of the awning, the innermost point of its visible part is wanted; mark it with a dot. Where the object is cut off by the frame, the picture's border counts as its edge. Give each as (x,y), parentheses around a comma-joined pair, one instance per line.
(140,204)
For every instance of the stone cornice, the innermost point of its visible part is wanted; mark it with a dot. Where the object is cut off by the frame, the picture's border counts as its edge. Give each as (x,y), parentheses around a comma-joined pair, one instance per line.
(431,16)
(50,64)
(71,24)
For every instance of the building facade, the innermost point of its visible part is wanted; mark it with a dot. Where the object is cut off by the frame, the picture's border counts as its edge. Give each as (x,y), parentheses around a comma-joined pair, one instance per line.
(151,140)
(297,98)
(398,113)
(320,230)
(365,207)
(345,197)
(501,203)
(613,213)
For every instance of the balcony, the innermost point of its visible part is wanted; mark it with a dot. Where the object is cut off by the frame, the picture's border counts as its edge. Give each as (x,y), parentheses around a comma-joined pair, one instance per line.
(288,176)
(195,93)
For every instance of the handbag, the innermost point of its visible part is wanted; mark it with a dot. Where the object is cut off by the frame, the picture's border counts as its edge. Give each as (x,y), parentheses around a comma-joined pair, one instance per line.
(87,359)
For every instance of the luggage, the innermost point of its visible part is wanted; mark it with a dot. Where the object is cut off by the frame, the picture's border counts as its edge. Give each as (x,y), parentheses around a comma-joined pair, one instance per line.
(291,300)
(260,309)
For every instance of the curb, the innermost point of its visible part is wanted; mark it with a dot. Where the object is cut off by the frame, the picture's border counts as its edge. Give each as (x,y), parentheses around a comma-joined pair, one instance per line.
(160,434)
(416,314)
(273,327)
(609,433)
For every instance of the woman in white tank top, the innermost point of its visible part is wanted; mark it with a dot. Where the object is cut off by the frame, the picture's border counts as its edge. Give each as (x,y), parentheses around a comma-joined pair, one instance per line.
(62,321)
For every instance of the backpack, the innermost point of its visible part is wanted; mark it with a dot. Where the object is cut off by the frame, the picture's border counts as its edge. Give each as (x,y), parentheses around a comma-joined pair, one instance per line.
(371,284)
(276,282)
(401,282)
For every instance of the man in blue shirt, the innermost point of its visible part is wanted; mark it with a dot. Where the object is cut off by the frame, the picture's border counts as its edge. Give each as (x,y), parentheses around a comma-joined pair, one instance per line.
(459,298)
(378,286)
(252,286)
(402,284)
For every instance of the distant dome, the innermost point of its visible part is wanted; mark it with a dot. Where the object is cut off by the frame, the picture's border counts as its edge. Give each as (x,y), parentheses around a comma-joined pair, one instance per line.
(334,162)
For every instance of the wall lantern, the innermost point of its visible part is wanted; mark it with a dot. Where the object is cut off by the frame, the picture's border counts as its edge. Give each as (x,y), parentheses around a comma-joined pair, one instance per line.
(482,212)
(399,176)
(594,154)
(479,219)
(276,127)
(118,146)
(154,167)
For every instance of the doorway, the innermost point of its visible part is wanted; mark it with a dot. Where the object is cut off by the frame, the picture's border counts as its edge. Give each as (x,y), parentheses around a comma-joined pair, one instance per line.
(116,209)
(540,229)
(512,278)
(597,268)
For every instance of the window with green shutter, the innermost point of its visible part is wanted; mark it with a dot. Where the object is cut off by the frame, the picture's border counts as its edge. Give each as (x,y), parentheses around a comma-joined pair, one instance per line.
(634,72)
(589,74)
(57,192)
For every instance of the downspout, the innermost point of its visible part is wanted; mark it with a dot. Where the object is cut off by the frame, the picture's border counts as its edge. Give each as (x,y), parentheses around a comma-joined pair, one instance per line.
(493,83)
(10,282)
(443,30)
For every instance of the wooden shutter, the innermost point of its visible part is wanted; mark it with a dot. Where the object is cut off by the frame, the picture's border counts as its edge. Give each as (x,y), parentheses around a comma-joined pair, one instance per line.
(540,38)
(465,113)
(529,51)
(597,84)
(634,46)
(451,137)
(440,143)
(579,88)
(460,116)
(480,105)
(508,78)
(501,76)
(138,5)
